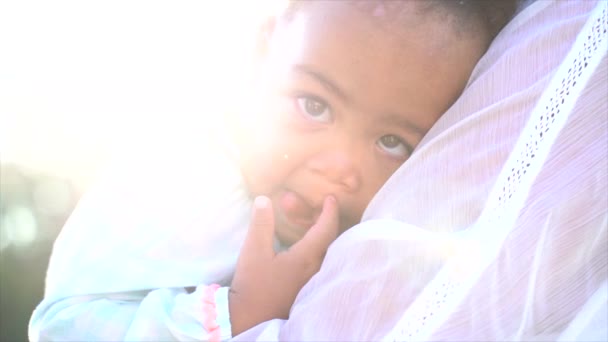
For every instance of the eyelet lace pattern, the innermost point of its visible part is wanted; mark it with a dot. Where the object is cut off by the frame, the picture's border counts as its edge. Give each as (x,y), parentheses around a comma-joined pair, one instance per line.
(444,293)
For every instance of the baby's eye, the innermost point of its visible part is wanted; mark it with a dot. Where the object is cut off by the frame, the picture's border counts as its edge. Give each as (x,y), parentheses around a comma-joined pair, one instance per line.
(315,109)
(395,146)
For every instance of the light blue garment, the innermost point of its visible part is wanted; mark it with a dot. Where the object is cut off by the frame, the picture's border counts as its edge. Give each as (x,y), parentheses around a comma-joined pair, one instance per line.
(163,218)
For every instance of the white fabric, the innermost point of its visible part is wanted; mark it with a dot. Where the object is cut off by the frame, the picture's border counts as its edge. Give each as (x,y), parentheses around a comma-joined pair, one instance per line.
(444,252)
(540,275)
(166,217)
(484,240)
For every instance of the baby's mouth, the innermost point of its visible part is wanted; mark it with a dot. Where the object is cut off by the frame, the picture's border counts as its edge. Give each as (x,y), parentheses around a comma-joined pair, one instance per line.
(296,210)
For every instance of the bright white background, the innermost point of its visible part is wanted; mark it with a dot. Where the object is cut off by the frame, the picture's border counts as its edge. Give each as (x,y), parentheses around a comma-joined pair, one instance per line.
(80,79)
(83,79)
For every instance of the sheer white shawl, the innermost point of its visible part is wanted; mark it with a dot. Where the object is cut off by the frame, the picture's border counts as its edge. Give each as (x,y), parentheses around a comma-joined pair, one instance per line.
(496,228)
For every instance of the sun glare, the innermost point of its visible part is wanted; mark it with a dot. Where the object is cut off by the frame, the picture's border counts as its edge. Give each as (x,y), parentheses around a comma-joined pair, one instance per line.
(80,80)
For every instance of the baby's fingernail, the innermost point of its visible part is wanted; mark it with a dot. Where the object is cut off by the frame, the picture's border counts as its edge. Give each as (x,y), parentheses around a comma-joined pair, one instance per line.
(261,202)
(330,199)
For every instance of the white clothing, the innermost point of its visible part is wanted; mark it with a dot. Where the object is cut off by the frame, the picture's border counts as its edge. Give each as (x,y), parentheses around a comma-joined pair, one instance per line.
(165,218)
(461,243)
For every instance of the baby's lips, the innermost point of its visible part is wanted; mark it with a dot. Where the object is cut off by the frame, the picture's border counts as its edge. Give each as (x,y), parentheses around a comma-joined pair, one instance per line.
(294,204)
(296,209)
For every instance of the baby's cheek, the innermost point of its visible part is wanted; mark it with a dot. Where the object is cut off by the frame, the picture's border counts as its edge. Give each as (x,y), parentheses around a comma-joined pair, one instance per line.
(268,174)
(258,179)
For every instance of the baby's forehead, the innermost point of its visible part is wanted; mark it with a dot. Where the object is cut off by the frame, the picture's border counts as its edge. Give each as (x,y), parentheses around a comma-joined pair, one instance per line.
(396,21)
(463,18)
(381,12)
(438,22)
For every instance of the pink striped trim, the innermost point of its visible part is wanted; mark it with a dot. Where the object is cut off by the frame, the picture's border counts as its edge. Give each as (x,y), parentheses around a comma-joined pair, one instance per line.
(210,311)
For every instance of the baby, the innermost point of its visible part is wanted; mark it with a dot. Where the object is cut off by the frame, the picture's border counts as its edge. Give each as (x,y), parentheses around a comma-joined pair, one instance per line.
(343,93)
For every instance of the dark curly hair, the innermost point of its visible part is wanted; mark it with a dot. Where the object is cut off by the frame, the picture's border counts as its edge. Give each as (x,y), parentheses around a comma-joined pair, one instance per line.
(488,15)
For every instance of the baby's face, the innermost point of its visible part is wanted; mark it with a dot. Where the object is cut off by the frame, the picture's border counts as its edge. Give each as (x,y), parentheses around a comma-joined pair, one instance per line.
(341,104)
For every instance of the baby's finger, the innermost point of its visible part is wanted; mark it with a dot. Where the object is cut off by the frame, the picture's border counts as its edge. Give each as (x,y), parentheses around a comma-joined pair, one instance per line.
(259,240)
(316,241)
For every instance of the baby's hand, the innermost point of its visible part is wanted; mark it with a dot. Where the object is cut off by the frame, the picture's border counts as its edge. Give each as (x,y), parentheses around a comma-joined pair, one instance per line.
(265,283)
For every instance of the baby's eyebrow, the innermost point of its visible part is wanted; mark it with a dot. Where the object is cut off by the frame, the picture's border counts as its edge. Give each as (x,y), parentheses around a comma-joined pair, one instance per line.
(326,81)
(401,121)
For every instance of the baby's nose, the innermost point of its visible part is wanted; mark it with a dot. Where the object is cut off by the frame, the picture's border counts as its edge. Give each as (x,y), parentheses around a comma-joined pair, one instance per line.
(338,168)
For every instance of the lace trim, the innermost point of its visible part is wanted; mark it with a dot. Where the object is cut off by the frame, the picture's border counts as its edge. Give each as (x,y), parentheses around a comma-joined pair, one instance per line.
(210,311)
(444,293)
